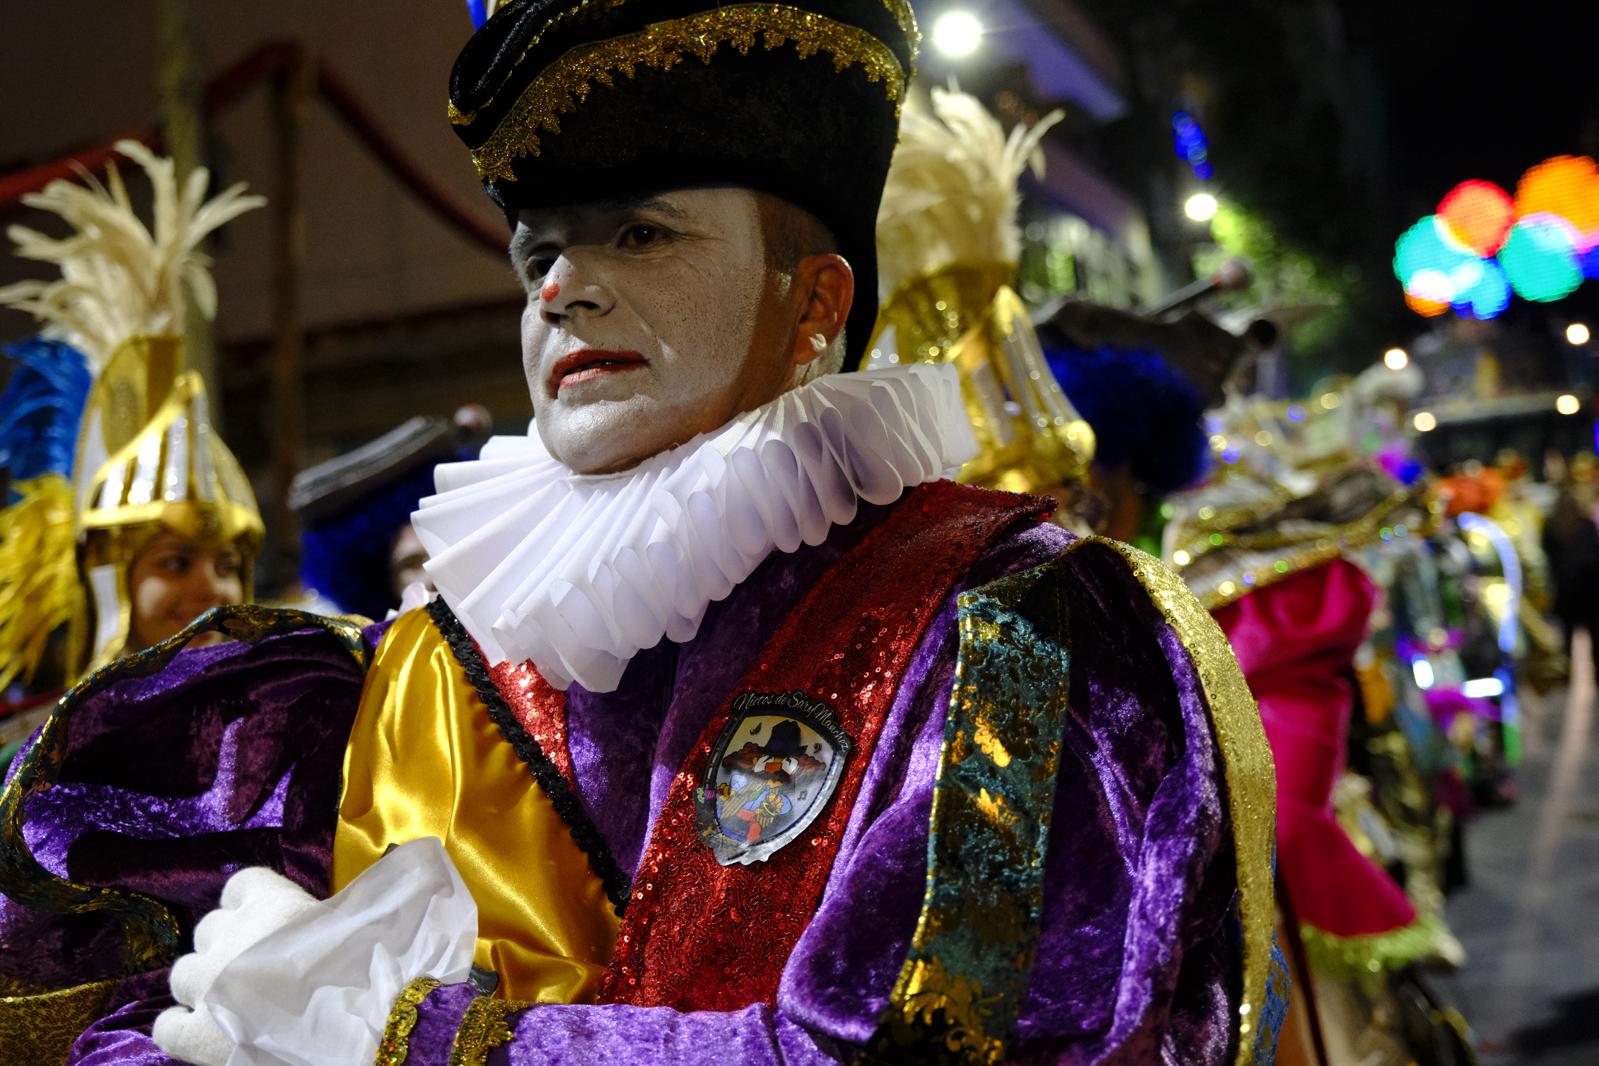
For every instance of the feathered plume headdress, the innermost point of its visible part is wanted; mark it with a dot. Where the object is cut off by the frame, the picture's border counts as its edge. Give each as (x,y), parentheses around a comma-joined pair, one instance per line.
(948,244)
(146,452)
(119,279)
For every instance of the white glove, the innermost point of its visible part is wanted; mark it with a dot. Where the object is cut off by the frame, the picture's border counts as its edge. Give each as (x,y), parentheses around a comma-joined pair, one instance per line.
(319,987)
(256,902)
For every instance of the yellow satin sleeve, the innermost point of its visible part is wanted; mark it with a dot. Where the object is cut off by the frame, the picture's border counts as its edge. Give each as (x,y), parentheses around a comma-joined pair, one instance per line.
(424,759)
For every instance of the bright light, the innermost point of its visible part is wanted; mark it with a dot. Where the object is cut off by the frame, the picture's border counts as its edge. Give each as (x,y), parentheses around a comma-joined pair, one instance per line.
(1396,359)
(1181,558)
(1578,334)
(1422,669)
(1201,207)
(1483,688)
(957,34)
(1567,404)
(1425,422)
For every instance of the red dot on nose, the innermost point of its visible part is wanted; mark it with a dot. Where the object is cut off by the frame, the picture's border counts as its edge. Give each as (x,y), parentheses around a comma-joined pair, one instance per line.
(550,291)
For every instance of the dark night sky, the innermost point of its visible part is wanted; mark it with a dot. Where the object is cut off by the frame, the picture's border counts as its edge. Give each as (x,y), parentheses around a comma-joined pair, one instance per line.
(1482,90)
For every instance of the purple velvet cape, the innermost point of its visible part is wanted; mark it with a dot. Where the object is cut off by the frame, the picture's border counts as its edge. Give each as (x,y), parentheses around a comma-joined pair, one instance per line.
(231,757)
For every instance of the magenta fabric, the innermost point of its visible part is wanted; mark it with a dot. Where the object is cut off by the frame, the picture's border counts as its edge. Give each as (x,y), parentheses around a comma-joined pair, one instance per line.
(1296,642)
(1138,959)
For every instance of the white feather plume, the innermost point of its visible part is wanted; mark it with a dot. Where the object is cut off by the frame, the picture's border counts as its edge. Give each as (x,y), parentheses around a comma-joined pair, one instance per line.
(120,278)
(952,192)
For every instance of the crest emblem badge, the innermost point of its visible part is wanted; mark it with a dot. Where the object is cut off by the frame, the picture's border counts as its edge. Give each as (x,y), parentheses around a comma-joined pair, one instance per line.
(773,769)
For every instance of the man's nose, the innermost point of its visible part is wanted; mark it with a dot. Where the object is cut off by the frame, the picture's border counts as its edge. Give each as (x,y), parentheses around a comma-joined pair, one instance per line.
(573,288)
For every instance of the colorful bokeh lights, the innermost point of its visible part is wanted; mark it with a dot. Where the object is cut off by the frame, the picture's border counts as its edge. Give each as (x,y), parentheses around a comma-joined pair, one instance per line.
(1482,244)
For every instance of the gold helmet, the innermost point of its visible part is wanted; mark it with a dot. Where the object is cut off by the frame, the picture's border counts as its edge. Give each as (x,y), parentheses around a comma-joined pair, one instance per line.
(147,457)
(948,249)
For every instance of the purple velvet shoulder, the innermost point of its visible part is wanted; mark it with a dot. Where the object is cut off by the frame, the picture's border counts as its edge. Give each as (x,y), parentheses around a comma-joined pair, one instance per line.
(165,784)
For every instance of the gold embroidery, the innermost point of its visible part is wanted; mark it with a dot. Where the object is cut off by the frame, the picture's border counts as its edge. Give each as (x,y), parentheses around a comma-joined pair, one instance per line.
(483,1029)
(395,1047)
(904,17)
(1246,763)
(566,83)
(42,1026)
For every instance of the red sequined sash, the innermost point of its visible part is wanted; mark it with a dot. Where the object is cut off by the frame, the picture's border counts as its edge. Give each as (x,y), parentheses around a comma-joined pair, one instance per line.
(701,936)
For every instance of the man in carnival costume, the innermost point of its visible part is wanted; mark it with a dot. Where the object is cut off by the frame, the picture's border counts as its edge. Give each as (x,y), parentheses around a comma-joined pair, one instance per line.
(1008,796)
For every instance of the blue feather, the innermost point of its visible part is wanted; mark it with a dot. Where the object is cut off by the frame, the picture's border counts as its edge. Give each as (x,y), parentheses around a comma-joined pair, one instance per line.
(1144,413)
(41,408)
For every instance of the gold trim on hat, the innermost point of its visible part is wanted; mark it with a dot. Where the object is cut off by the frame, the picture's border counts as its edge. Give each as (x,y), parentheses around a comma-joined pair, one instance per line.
(566,83)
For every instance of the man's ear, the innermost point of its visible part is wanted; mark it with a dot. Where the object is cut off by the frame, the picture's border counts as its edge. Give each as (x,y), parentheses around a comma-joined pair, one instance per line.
(825,285)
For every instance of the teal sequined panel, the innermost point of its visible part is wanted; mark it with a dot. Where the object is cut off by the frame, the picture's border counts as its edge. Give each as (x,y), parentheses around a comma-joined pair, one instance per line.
(962,984)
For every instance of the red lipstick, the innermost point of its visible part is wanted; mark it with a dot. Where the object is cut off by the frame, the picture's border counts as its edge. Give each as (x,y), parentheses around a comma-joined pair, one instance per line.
(590,364)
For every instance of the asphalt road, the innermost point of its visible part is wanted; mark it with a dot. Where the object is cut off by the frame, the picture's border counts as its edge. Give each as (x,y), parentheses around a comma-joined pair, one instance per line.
(1529,918)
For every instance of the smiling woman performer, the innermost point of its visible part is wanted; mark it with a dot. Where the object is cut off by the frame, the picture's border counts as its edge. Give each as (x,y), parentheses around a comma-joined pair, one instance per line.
(737,733)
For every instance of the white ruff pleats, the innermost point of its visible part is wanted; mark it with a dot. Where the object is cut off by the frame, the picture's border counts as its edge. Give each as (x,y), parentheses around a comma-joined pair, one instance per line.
(580,573)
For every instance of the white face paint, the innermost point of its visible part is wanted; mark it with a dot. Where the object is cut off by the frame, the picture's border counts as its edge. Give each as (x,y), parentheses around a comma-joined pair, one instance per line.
(642,321)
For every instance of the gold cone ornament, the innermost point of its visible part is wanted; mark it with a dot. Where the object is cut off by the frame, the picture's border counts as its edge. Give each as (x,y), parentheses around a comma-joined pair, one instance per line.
(148,458)
(948,248)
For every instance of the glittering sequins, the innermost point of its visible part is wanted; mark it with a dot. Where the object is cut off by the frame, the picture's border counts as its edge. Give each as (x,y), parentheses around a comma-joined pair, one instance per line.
(962,983)
(395,1047)
(702,936)
(567,82)
(484,1028)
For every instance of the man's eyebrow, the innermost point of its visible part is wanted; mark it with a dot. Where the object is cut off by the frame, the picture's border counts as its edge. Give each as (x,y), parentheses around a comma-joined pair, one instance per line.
(646,203)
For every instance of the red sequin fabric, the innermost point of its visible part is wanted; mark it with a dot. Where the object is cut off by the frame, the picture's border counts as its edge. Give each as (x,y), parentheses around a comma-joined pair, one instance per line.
(701,936)
(540,709)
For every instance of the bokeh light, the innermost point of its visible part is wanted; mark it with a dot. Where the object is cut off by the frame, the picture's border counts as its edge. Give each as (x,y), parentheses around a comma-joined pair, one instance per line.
(1426,246)
(1396,358)
(1201,207)
(1567,404)
(1566,186)
(1478,214)
(1487,296)
(957,34)
(1540,259)
(1578,334)
(1424,421)
(1424,307)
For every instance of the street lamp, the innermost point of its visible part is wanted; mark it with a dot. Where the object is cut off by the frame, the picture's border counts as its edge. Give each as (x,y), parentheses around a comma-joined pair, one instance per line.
(1201,207)
(1396,358)
(956,34)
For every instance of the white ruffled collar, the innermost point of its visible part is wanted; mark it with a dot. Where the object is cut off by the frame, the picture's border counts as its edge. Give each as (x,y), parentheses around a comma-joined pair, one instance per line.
(580,573)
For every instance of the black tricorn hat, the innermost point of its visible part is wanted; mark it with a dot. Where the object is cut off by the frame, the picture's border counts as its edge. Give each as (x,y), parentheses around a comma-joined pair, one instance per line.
(571,101)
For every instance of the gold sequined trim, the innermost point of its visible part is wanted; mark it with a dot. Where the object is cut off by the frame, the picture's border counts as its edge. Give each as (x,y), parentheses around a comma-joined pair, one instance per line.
(483,1029)
(395,1046)
(1246,764)
(903,14)
(566,83)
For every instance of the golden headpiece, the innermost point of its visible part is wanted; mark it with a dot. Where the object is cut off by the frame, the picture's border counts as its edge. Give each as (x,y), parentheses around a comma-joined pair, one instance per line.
(948,248)
(147,456)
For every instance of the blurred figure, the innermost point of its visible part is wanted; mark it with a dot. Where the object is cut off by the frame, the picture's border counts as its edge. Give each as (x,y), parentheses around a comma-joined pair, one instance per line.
(1571,542)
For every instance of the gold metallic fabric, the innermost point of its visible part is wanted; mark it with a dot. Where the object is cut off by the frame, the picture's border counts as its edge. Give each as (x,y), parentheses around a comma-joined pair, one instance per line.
(561,87)
(40,1028)
(39,588)
(1029,437)
(424,759)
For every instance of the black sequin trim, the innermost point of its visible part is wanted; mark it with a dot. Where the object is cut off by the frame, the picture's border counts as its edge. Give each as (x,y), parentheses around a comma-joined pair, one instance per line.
(588,838)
